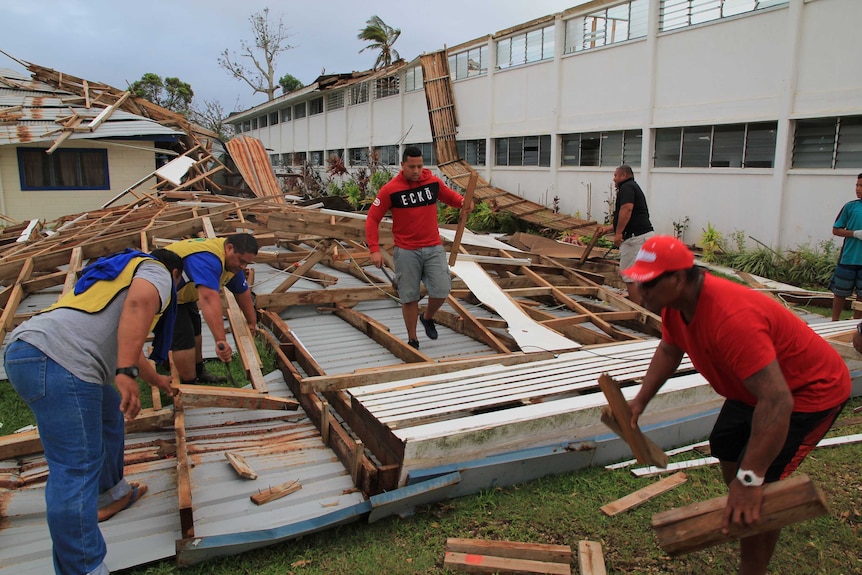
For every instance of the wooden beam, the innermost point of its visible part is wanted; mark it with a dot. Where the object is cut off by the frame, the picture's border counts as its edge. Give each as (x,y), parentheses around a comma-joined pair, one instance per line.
(239,464)
(273,493)
(632,500)
(213,396)
(462,218)
(590,558)
(699,525)
(617,415)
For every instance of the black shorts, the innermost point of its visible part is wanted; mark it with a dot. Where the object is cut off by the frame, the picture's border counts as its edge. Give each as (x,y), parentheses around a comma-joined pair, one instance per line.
(188,326)
(729,437)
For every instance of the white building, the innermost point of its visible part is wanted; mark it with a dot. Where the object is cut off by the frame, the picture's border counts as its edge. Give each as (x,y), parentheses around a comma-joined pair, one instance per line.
(742,114)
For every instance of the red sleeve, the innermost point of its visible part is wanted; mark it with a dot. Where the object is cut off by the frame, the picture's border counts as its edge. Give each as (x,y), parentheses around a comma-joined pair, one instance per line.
(449,196)
(372,222)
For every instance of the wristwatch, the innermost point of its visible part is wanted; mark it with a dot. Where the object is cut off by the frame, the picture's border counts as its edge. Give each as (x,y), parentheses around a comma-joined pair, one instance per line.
(130,371)
(749,478)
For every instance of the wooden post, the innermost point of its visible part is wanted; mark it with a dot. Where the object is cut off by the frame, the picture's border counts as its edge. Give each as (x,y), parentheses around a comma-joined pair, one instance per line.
(618,417)
(462,220)
(591,245)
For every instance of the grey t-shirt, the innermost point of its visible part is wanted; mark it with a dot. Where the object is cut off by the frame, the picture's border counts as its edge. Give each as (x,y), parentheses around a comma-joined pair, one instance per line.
(86,344)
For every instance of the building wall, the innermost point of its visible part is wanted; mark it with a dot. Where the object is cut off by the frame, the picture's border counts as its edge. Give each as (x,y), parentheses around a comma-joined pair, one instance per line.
(782,64)
(126,165)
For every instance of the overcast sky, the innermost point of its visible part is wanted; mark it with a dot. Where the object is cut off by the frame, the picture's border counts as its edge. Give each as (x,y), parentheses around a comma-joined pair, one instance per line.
(116,42)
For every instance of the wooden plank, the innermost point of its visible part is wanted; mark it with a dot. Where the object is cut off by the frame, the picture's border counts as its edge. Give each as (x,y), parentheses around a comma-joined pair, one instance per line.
(593,241)
(513,549)
(213,396)
(184,481)
(239,464)
(462,218)
(645,451)
(634,499)
(15,297)
(72,274)
(471,563)
(699,525)
(277,492)
(590,558)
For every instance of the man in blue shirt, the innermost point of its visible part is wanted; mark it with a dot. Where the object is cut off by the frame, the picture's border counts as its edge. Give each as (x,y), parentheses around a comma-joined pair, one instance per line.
(847,277)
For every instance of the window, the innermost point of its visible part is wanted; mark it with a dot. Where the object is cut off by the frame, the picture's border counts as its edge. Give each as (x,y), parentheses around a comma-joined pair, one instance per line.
(275,160)
(388,156)
(285,114)
(607,26)
(335,100)
(337,153)
(675,14)
(315,106)
(298,158)
(525,48)
(602,148)
(263,121)
(384,87)
(254,123)
(358,156)
(358,94)
(287,159)
(469,63)
(413,79)
(63,169)
(246,126)
(428,156)
(299,111)
(273,118)
(828,143)
(725,146)
(472,151)
(316,158)
(523,151)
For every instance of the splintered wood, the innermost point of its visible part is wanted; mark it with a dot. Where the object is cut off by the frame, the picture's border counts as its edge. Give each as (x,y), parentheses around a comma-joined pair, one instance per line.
(277,492)
(698,525)
(617,416)
(239,465)
(507,557)
(632,500)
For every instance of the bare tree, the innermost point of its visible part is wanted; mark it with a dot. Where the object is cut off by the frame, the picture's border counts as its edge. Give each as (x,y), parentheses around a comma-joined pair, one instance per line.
(269,42)
(212,117)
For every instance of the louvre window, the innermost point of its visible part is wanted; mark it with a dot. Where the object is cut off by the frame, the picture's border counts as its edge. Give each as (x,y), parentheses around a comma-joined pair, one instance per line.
(532,46)
(469,63)
(601,148)
(723,146)
(413,79)
(335,100)
(358,94)
(674,14)
(263,121)
(285,114)
(388,156)
(472,151)
(828,143)
(523,151)
(316,158)
(385,87)
(335,153)
(607,26)
(273,118)
(358,156)
(315,106)
(298,158)
(63,169)
(299,111)
(428,156)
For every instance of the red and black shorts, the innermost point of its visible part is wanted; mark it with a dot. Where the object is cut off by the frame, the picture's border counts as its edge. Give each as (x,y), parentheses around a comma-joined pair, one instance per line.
(729,438)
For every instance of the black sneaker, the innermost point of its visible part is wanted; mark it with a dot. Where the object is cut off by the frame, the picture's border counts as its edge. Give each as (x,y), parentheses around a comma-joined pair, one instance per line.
(414,343)
(208,378)
(430,328)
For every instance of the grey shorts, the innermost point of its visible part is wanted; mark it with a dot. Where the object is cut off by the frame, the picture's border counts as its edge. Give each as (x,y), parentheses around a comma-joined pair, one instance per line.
(629,252)
(428,265)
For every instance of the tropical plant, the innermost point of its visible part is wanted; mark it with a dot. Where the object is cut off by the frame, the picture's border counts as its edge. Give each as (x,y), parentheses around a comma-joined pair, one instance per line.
(269,41)
(712,243)
(378,179)
(289,83)
(170,93)
(380,36)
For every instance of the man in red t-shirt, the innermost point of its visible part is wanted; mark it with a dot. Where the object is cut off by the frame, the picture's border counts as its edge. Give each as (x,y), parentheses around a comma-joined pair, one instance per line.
(412,197)
(784,385)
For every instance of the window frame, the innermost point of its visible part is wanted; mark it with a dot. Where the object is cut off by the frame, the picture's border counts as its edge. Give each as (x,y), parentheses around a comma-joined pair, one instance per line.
(51,163)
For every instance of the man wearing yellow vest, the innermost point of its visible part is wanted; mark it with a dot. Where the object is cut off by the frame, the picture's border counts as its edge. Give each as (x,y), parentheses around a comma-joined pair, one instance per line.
(208,265)
(62,363)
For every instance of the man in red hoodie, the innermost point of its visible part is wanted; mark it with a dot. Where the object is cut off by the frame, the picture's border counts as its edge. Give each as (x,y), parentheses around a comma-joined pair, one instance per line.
(412,197)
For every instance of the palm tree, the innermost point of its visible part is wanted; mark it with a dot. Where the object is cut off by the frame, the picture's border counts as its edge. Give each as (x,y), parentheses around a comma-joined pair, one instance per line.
(380,36)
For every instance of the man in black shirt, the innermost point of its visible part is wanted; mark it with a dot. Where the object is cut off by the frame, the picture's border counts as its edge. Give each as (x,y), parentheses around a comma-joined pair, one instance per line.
(631,224)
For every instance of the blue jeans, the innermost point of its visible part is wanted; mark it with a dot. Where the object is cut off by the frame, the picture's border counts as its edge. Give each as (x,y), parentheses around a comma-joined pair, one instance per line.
(82,432)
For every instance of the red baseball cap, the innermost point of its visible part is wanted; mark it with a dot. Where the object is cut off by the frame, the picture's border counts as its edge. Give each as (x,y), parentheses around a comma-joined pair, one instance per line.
(658,255)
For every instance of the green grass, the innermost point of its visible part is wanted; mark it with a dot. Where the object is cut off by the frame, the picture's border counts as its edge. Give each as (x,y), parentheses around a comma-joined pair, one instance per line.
(563,510)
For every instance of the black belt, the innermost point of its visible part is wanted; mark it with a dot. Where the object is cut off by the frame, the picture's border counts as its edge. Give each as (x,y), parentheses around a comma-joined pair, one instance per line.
(627,236)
